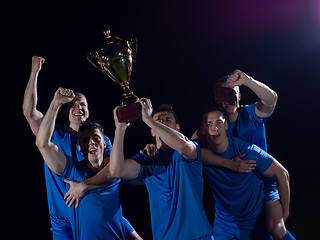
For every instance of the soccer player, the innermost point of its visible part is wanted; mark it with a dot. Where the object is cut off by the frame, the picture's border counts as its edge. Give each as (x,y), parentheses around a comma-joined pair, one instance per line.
(173,178)
(239,196)
(247,123)
(65,137)
(99,216)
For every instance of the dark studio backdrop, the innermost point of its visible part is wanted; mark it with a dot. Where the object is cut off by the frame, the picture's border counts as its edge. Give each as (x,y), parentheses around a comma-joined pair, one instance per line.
(183,48)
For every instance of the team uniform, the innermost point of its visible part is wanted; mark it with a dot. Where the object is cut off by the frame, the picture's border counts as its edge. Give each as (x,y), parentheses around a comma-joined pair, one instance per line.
(238,197)
(99,215)
(175,188)
(56,188)
(250,128)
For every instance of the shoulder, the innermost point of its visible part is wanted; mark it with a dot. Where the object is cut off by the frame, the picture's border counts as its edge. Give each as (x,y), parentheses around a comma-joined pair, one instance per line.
(141,158)
(75,170)
(59,132)
(247,114)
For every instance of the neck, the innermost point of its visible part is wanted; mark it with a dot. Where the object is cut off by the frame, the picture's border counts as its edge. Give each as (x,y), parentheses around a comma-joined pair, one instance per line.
(95,166)
(73,129)
(219,148)
(233,116)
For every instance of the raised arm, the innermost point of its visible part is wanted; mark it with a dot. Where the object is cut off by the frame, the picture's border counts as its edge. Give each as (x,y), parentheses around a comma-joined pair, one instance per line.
(268,97)
(277,171)
(118,166)
(52,155)
(173,138)
(29,106)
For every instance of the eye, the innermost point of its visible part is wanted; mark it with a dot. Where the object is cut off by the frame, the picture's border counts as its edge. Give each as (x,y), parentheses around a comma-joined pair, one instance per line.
(168,120)
(96,138)
(219,122)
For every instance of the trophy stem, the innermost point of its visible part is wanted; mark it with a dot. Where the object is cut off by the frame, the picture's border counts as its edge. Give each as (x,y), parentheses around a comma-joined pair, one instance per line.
(128,96)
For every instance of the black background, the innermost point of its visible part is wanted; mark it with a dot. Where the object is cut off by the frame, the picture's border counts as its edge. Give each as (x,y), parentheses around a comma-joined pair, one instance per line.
(184,46)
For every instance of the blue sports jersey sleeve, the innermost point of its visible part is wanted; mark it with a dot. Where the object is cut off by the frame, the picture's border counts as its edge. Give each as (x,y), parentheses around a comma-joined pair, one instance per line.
(127,226)
(108,148)
(144,160)
(263,159)
(253,116)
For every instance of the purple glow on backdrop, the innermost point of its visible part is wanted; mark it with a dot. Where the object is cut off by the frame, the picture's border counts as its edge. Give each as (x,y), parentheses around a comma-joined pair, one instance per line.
(242,18)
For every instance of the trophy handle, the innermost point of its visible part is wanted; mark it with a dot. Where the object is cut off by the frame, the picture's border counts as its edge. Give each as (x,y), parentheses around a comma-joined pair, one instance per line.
(93,58)
(133,43)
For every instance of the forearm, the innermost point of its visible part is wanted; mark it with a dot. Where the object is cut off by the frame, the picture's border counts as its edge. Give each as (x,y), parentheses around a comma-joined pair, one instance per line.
(116,164)
(211,159)
(47,126)
(284,192)
(52,155)
(173,138)
(266,94)
(101,179)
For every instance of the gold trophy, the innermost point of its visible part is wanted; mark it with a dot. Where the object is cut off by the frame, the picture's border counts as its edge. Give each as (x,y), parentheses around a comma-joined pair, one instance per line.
(115,59)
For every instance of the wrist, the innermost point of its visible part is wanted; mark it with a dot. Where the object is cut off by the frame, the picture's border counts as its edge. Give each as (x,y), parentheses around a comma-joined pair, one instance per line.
(148,120)
(56,104)
(227,164)
(248,82)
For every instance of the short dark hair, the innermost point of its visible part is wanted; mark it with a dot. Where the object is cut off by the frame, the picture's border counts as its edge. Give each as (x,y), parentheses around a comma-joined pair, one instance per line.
(214,108)
(166,108)
(89,125)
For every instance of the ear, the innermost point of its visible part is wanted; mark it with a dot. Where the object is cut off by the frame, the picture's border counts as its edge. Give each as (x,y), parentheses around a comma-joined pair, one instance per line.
(226,123)
(153,134)
(104,144)
(88,113)
(178,127)
(201,130)
(79,148)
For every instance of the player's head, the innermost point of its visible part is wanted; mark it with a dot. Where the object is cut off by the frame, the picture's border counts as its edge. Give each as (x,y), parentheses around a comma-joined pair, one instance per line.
(91,140)
(227,97)
(76,111)
(214,125)
(165,115)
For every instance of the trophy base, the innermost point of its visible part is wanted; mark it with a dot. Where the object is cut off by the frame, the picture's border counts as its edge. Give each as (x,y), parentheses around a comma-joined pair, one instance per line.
(129,112)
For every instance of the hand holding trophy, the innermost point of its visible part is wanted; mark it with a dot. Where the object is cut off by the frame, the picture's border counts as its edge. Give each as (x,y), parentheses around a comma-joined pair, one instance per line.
(115,59)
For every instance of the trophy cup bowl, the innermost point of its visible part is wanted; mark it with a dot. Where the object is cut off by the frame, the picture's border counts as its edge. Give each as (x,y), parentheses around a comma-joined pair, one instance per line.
(115,59)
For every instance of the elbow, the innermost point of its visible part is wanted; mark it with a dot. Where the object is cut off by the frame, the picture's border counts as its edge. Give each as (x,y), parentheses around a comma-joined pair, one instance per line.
(40,143)
(286,175)
(188,150)
(275,97)
(114,171)
(283,175)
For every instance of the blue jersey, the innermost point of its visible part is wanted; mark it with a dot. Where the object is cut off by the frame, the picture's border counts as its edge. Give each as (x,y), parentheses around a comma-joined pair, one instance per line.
(238,196)
(99,215)
(249,127)
(175,188)
(56,188)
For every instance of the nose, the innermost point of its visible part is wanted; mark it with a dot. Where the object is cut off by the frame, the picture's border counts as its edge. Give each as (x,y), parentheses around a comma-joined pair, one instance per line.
(214,127)
(91,141)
